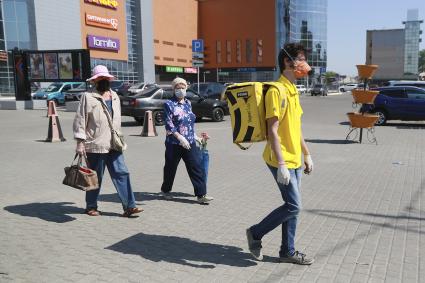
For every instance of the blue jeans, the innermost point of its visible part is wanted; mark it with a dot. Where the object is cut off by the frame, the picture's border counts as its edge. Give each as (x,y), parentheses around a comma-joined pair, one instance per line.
(285,214)
(192,160)
(119,174)
(205,161)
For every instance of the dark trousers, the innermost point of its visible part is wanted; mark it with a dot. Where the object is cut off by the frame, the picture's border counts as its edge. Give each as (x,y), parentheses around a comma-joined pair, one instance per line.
(192,160)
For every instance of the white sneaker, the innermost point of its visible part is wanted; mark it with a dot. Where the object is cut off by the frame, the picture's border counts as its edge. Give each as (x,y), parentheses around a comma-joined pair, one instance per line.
(166,196)
(205,199)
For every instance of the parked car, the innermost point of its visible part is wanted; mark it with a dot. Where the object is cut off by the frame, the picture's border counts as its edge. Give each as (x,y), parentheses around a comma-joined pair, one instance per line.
(319,89)
(420,84)
(398,103)
(154,98)
(209,90)
(120,87)
(56,92)
(139,87)
(38,91)
(301,89)
(75,93)
(347,87)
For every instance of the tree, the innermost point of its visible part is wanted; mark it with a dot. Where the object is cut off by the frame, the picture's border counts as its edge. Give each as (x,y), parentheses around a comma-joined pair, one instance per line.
(330,76)
(421,65)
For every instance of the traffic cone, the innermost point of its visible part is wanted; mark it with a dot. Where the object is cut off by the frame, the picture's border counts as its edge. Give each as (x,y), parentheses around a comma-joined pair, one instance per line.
(54,133)
(149,129)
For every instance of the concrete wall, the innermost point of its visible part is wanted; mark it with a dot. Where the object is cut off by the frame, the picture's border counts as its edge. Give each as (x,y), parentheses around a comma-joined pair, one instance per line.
(175,25)
(146,9)
(386,49)
(57,30)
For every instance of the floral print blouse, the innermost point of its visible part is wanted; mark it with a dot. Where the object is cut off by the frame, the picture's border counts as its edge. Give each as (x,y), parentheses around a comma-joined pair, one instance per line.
(179,118)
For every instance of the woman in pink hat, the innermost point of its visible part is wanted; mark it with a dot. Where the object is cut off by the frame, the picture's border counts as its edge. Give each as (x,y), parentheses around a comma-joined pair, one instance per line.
(93,134)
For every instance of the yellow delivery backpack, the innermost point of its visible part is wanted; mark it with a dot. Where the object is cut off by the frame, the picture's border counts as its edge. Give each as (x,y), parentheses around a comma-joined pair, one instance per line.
(248,112)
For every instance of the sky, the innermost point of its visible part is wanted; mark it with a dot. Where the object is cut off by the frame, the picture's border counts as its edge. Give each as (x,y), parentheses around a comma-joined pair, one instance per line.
(348,21)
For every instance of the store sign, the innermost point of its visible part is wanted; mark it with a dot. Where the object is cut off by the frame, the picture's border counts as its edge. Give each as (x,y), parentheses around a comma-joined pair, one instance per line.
(190,70)
(111,4)
(172,69)
(108,23)
(104,43)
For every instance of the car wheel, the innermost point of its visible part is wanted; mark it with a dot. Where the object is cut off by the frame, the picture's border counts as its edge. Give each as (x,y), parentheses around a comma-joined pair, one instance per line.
(382,117)
(217,114)
(342,90)
(139,119)
(158,117)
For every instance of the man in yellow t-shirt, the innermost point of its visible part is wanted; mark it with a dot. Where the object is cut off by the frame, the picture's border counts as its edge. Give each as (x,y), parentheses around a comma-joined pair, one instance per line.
(283,156)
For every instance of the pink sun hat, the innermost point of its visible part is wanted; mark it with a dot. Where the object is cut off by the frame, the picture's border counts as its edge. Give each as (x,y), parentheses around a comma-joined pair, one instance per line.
(101,71)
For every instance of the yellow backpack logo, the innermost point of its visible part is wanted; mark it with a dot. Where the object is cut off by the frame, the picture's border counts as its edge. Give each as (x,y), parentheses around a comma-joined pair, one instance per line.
(248,112)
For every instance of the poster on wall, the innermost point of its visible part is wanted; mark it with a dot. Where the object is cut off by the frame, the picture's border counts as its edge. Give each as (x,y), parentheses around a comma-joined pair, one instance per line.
(36,66)
(51,66)
(65,66)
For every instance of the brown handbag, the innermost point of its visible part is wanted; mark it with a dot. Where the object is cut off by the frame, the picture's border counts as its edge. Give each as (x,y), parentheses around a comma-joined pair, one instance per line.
(79,176)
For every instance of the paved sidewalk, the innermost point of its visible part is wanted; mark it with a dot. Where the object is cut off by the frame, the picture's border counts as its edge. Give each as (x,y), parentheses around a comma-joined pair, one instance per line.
(363,217)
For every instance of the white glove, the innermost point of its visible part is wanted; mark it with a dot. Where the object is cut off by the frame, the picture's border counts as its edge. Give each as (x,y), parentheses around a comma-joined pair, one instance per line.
(283,175)
(198,139)
(80,149)
(308,162)
(183,142)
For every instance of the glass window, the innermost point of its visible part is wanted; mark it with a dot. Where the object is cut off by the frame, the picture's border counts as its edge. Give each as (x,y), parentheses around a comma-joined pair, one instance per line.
(394,93)
(65,88)
(218,48)
(415,93)
(259,51)
(21,10)
(249,51)
(11,33)
(228,51)
(9,10)
(238,51)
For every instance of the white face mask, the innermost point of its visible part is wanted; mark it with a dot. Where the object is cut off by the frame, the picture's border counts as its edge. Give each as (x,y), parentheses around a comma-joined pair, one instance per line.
(180,93)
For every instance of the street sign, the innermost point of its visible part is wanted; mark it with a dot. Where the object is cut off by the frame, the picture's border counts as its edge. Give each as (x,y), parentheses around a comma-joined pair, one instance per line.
(322,70)
(198,63)
(198,45)
(197,56)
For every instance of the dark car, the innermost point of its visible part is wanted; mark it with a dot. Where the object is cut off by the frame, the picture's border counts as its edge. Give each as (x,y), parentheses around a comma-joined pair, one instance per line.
(209,90)
(154,98)
(398,103)
(319,89)
(120,87)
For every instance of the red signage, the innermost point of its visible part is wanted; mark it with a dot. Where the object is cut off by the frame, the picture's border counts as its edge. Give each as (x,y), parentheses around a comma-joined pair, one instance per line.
(3,56)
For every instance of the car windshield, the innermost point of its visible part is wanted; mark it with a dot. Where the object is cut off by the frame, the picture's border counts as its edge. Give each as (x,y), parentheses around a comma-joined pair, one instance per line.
(202,87)
(81,87)
(192,93)
(137,86)
(318,85)
(53,87)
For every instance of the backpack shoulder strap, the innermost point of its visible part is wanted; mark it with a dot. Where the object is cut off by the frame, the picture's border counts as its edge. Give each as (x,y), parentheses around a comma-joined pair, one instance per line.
(282,93)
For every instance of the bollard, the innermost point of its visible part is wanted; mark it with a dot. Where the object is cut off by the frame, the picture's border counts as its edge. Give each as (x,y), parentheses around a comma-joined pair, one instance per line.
(149,129)
(54,133)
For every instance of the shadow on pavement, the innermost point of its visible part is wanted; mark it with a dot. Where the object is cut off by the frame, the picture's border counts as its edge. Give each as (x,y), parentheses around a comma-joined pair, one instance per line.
(52,212)
(330,141)
(183,251)
(145,196)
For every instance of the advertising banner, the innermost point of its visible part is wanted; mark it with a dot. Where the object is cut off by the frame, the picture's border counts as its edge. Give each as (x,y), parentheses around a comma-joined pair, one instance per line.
(51,66)
(65,66)
(104,43)
(101,22)
(36,66)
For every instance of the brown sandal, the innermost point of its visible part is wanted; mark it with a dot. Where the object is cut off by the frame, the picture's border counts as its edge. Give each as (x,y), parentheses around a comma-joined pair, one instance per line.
(132,211)
(92,212)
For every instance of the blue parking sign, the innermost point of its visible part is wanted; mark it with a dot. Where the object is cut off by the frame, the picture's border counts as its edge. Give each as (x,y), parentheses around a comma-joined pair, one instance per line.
(198,45)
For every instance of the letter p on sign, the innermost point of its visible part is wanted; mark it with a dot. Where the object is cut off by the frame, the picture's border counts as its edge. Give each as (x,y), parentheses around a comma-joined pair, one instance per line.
(197,45)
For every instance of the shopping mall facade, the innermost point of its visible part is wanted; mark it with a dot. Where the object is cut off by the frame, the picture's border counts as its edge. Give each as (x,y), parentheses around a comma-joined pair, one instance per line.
(151,40)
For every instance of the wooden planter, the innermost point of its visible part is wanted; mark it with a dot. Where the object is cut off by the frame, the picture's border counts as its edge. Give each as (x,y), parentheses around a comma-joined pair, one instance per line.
(359,120)
(364,96)
(366,71)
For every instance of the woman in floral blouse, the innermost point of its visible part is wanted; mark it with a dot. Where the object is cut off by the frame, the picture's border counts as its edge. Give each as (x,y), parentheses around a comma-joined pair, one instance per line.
(180,143)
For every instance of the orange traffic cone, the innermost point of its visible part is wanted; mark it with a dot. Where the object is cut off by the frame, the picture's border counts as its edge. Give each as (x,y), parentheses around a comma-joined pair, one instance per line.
(149,129)
(54,133)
